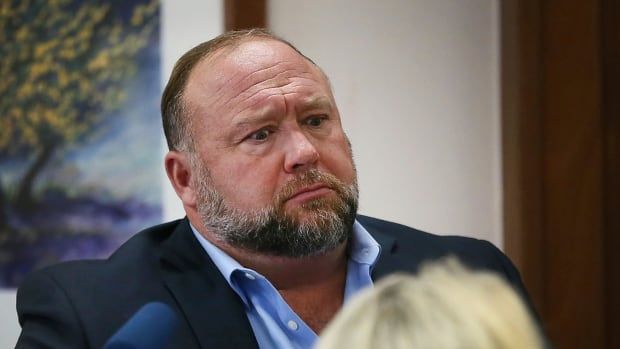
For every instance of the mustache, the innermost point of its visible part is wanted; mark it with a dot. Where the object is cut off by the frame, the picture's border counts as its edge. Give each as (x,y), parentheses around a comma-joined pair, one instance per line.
(305,179)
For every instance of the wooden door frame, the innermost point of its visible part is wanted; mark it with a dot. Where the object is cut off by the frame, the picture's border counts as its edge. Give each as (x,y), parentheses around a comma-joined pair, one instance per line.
(245,14)
(561,158)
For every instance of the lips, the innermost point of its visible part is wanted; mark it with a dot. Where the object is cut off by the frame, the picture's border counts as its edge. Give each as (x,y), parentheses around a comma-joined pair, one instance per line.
(310,192)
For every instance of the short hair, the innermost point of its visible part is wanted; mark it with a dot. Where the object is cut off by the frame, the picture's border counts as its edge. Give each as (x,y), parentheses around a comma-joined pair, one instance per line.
(175,123)
(445,307)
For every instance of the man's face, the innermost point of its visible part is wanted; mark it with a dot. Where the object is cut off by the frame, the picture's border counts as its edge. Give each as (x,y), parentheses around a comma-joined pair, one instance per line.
(272,169)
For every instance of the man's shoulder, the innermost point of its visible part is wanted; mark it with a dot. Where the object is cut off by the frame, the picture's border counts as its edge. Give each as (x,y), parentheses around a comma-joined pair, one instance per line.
(406,241)
(94,297)
(406,234)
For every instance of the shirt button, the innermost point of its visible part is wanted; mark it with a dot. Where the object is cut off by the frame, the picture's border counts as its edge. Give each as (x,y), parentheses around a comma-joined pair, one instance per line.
(250,276)
(292,325)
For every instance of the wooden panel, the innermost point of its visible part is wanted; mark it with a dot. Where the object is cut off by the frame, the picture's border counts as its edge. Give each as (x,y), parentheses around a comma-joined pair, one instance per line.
(560,113)
(610,17)
(573,174)
(522,143)
(245,14)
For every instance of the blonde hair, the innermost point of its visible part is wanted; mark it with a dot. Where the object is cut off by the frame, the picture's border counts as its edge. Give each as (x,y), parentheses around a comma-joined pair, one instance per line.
(445,306)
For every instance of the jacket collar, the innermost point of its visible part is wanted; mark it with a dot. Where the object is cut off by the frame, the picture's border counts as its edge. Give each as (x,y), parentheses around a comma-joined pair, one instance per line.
(388,260)
(212,309)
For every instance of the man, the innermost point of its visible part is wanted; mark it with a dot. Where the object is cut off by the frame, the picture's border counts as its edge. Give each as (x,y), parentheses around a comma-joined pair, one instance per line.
(271,246)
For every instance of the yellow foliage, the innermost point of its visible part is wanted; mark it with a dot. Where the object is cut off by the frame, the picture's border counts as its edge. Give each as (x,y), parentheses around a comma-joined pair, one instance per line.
(40,49)
(39,68)
(22,33)
(67,53)
(60,66)
(63,77)
(115,34)
(29,134)
(85,88)
(51,118)
(54,94)
(5,9)
(85,34)
(25,90)
(101,61)
(16,113)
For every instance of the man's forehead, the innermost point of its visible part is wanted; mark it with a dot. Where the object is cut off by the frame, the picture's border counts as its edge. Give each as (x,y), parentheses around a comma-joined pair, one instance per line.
(236,68)
(250,57)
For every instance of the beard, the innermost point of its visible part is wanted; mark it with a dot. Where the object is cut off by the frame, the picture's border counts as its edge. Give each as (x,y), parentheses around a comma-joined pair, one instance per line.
(313,228)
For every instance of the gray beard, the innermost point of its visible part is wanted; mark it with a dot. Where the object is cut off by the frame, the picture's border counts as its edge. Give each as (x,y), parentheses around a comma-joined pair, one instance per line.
(271,231)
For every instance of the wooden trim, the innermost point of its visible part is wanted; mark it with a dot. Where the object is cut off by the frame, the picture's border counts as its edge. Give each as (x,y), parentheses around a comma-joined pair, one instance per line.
(610,43)
(561,152)
(245,14)
(573,187)
(522,138)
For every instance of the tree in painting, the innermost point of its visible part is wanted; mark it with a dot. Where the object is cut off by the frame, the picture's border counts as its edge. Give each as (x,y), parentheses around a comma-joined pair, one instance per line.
(62,66)
(65,64)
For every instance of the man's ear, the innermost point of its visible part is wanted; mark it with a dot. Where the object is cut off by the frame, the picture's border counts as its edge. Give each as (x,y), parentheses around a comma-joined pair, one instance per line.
(179,173)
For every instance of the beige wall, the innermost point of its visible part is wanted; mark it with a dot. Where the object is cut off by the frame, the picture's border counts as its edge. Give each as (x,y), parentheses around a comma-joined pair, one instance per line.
(417,84)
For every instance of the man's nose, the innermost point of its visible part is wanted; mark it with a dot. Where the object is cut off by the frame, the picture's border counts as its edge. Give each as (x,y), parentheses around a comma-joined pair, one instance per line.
(300,153)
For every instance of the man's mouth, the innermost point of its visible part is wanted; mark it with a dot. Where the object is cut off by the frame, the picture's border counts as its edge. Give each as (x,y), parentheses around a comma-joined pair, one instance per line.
(310,193)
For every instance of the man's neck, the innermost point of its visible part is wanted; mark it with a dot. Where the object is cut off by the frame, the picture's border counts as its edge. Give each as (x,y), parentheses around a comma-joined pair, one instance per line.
(312,286)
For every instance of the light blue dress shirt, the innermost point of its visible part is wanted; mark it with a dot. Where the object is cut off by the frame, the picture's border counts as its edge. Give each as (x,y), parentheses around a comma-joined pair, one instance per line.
(274,323)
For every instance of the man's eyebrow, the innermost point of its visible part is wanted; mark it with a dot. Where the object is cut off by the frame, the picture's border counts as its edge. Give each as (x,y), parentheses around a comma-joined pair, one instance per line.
(320,102)
(267,114)
(257,118)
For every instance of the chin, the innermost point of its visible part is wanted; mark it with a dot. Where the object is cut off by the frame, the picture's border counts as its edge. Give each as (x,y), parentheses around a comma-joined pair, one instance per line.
(313,207)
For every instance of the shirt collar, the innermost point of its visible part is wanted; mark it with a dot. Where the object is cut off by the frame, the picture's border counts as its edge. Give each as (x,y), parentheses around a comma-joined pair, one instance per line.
(364,248)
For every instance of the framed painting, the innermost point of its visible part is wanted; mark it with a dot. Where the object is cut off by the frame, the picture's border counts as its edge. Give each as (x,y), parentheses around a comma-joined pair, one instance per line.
(80,136)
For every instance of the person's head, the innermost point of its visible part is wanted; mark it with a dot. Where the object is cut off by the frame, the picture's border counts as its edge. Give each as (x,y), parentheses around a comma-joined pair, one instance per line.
(445,307)
(257,153)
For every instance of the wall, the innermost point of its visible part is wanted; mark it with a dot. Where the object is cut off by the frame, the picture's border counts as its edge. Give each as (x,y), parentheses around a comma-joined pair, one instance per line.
(417,86)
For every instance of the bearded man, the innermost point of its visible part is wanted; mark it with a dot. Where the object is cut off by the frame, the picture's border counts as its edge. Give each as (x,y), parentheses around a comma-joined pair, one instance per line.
(272,245)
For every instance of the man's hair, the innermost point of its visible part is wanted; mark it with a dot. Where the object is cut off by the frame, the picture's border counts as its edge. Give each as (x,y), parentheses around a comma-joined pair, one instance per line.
(173,112)
(446,306)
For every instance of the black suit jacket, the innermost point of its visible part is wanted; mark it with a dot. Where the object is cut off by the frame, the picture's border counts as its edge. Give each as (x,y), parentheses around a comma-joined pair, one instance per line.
(81,304)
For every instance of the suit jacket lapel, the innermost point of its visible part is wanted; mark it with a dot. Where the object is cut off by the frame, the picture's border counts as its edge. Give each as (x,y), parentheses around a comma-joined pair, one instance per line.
(390,260)
(212,309)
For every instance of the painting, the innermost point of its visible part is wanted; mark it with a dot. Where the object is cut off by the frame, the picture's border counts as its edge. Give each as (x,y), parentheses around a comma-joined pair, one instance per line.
(80,133)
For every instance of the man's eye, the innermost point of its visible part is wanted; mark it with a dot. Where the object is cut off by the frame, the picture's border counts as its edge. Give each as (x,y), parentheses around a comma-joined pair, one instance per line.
(315,121)
(260,135)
